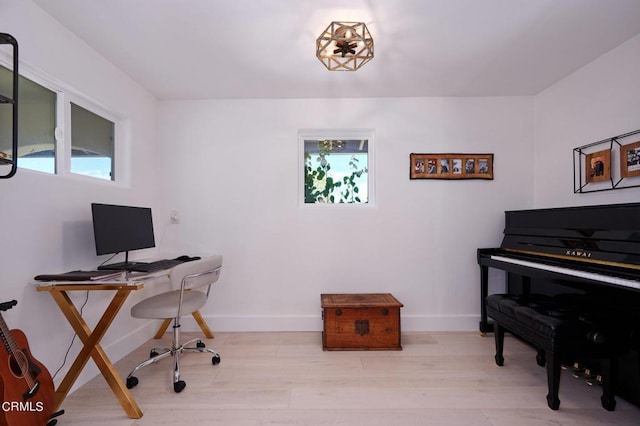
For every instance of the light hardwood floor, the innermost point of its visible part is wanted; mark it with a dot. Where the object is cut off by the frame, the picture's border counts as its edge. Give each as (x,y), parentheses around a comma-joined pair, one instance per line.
(286,379)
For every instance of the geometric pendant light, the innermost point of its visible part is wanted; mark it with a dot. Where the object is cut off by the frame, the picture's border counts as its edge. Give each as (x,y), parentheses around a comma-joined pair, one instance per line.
(345,46)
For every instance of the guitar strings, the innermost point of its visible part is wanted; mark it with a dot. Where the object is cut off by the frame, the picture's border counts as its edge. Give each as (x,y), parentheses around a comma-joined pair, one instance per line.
(64,361)
(17,356)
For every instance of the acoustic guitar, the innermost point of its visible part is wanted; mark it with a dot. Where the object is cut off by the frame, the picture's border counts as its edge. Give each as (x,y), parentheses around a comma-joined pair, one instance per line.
(25,384)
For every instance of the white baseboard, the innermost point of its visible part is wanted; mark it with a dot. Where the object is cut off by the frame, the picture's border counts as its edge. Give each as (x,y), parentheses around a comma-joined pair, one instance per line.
(240,323)
(439,322)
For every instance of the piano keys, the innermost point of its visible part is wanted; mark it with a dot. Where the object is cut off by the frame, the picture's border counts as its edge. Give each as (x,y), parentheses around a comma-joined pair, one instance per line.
(577,273)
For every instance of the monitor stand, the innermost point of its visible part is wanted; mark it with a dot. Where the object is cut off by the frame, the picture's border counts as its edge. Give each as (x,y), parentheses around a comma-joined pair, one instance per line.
(121,266)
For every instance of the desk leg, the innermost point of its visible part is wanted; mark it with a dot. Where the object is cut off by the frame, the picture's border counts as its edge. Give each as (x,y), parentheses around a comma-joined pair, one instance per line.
(203,324)
(199,319)
(163,328)
(92,348)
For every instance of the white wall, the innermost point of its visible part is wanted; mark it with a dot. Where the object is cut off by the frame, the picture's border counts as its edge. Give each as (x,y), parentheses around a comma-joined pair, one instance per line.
(599,101)
(230,167)
(231,170)
(46,219)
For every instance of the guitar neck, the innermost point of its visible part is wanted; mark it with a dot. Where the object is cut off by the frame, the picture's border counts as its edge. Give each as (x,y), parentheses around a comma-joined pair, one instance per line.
(6,336)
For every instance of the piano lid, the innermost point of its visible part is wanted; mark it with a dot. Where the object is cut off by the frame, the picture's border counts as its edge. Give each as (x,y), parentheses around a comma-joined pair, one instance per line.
(607,234)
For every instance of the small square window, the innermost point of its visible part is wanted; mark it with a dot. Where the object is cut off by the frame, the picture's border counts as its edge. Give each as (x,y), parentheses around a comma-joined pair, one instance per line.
(336,167)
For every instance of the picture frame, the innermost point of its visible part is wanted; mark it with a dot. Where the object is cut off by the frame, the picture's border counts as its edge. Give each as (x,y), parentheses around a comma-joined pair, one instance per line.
(630,160)
(608,164)
(451,166)
(598,166)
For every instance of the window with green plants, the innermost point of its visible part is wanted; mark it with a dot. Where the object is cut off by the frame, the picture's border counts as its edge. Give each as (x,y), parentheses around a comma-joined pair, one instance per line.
(337,170)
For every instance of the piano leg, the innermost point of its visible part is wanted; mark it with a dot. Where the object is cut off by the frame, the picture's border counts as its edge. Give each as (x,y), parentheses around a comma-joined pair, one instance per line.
(499,338)
(609,373)
(485,327)
(553,380)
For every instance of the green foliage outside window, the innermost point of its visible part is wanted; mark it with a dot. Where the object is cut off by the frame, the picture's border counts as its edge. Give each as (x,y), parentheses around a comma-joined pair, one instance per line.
(324,184)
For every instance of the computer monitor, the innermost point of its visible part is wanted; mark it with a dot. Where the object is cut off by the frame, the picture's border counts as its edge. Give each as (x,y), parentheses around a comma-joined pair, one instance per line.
(118,229)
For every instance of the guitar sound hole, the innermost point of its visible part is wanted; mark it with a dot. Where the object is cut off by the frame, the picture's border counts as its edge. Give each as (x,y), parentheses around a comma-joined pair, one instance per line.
(18,364)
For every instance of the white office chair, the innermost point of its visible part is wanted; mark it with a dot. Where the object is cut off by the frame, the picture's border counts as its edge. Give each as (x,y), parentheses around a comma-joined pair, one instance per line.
(194,279)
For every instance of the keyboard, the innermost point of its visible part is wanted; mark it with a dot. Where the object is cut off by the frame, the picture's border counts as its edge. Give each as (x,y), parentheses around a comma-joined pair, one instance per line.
(158,265)
(573,272)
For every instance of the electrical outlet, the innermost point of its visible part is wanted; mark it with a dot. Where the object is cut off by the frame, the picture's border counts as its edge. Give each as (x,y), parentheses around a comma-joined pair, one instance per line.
(175,217)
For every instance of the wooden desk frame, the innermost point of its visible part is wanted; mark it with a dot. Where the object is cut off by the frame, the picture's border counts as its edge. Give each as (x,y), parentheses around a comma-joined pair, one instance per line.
(91,339)
(199,319)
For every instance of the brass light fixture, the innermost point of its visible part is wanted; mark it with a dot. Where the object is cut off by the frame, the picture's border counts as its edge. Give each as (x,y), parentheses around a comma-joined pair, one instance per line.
(345,46)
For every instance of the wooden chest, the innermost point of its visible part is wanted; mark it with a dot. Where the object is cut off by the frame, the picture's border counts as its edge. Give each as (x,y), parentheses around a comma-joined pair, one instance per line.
(360,322)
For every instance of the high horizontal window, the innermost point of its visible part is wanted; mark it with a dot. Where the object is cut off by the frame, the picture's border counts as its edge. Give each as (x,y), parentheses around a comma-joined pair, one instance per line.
(92,138)
(36,124)
(336,167)
(88,146)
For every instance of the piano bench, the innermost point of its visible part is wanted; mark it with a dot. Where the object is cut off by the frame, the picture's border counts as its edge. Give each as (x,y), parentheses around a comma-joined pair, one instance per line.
(560,331)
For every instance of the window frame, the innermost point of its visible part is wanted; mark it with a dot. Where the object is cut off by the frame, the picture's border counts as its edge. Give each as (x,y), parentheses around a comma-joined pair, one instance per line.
(343,134)
(68,136)
(65,95)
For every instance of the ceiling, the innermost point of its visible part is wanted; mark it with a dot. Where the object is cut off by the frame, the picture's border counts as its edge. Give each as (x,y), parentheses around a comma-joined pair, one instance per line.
(199,49)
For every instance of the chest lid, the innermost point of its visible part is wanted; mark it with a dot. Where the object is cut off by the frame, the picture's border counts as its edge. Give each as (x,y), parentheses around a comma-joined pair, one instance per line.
(360,300)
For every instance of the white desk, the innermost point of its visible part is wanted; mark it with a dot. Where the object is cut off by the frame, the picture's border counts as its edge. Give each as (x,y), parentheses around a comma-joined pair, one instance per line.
(122,286)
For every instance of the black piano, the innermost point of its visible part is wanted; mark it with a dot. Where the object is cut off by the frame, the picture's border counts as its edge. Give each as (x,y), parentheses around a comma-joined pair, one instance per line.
(592,251)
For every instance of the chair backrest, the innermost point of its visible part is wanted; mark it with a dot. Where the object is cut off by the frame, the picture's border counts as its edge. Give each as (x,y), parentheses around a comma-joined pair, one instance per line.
(196,273)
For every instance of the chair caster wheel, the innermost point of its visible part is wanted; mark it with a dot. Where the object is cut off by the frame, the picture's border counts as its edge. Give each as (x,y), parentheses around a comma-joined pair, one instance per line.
(215,360)
(132,382)
(200,344)
(179,386)
(153,354)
